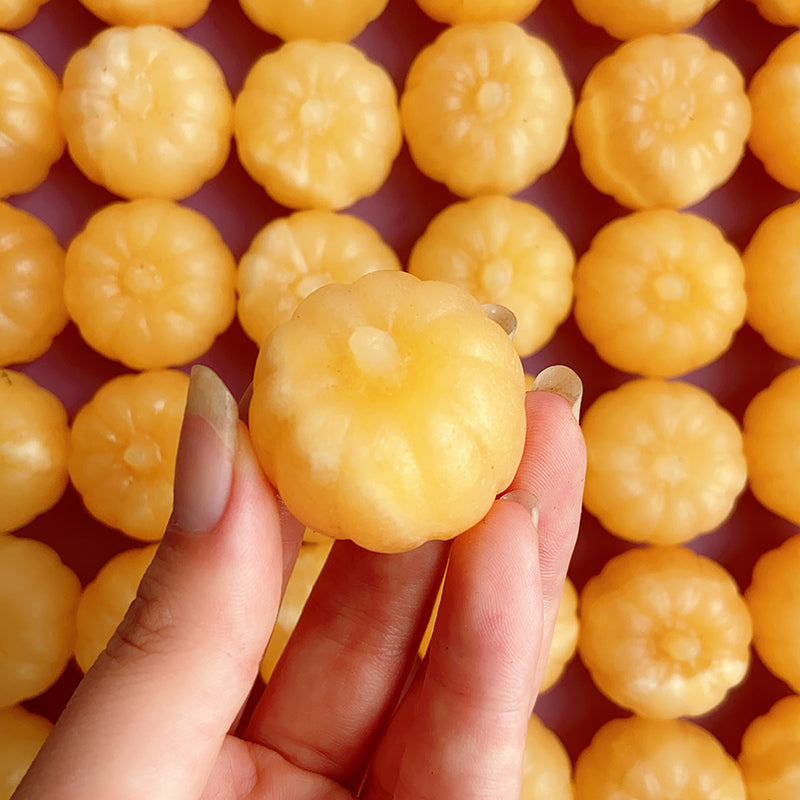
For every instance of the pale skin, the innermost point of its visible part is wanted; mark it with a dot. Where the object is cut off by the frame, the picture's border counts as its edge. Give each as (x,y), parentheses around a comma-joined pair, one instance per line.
(349,711)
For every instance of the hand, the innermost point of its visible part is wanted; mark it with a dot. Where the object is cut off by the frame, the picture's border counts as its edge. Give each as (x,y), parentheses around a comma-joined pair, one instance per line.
(344,714)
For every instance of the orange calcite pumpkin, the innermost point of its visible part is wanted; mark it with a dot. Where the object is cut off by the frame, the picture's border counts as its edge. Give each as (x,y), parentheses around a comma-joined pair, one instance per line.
(389,411)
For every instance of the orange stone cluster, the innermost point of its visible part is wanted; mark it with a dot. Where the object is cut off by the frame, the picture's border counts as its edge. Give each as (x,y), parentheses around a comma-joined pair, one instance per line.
(682,601)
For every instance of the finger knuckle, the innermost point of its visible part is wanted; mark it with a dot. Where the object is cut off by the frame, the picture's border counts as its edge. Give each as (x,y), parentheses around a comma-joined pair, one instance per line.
(149,628)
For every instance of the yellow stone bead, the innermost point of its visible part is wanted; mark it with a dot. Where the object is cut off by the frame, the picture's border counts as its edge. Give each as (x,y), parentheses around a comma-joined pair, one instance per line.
(547,770)
(773,597)
(505,251)
(105,601)
(15,14)
(30,130)
(486,108)
(175,14)
(651,759)
(456,12)
(325,20)
(32,309)
(665,461)
(627,19)
(22,734)
(317,124)
(664,632)
(34,448)
(662,121)
(292,256)
(770,752)
(774,94)
(389,411)
(123,449)
(150,283)
(310,561)
(771,432)
(112,110)
(660,292)
(38,603)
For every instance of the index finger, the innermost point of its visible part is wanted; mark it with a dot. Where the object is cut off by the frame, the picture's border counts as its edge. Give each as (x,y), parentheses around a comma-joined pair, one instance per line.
(556,477)
(460,731)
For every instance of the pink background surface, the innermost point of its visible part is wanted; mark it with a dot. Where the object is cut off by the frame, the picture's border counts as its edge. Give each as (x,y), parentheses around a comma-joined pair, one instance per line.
(400,211)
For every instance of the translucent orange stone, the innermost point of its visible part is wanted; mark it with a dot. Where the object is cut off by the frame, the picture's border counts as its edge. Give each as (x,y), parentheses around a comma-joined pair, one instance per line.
(771,431)
(486,108)
(389,410)
(30,132)
(773,280)
(150,283)
(124,445)
(112,111)
(662,121)
(317,124)
(665,461)
(325,20)
(656,760)
(22,734)
(456,12)
(773,598)
(664,632)
(779,12)
(32,309)
(105,601)
(292,256)
(38,602)
(770,752)
(547,771)
(660,292)
(627,19)
(774,94)
(34,447)
(505,251)
(310,561)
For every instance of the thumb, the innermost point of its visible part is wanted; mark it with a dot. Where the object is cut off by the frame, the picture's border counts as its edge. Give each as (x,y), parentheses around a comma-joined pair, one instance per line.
(151,715)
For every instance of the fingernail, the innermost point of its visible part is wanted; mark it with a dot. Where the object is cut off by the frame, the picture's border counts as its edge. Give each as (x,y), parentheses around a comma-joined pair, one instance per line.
(503,316)
(562,381)
(204,467)
(244,403)
(528,501)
